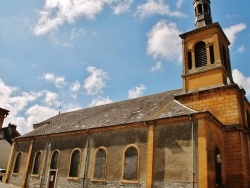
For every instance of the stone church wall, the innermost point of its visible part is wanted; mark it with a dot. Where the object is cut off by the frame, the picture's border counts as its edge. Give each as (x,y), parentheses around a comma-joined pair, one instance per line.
(173,155)
(23,147)
(116,142)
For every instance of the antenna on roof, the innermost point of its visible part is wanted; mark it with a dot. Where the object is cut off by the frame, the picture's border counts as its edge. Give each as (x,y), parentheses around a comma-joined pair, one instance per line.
(59,110)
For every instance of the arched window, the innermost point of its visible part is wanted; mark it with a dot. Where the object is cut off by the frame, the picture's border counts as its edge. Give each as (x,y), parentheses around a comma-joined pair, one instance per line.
(54,160)
(206,9)
(130,170)
(100,164)
(74,163)
(200,54)
(17,162)
(199,7)
(37,162)
(218,172)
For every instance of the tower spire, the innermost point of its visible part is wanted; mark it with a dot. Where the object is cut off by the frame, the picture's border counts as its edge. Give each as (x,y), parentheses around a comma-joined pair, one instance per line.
(202,12)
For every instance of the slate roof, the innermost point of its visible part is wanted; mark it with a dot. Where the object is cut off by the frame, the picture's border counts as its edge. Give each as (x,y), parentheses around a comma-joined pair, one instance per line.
(140,109)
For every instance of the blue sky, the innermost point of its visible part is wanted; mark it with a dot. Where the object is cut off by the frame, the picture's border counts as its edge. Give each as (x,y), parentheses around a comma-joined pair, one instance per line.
(72,54)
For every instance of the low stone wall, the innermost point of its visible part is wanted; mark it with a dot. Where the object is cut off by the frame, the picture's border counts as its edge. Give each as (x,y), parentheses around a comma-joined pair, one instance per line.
(15,179)
(174,185)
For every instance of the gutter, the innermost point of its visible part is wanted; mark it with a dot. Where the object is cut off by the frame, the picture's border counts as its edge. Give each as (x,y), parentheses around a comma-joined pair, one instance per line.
(45,161)
(85,176)
(193,148)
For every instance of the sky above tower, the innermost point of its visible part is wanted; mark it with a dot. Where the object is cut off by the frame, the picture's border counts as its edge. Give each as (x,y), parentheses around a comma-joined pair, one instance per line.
(71,54)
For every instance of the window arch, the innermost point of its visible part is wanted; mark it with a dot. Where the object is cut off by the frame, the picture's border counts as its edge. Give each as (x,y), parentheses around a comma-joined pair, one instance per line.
(37,163)
(54,160)
(200,54)
(74,163)
(17,162)
(100,164)
(131,164)
(199,8)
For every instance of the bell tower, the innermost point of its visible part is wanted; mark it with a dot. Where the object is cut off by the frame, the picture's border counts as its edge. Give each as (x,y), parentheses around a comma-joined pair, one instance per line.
(206,61)
(202,13)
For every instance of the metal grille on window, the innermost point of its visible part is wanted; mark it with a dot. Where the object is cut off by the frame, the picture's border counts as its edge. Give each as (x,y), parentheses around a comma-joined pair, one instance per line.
(130,164)
(100,164)
(200,55)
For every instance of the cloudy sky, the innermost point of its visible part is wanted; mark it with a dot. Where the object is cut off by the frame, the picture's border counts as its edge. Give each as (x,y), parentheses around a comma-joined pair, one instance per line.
(71,54)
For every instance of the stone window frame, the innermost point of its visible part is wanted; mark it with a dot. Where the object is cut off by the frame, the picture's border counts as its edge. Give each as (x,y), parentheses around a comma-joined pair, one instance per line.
(70,165)
(137,167)
(58,160)
(37,163)
(94,165)
(19,154)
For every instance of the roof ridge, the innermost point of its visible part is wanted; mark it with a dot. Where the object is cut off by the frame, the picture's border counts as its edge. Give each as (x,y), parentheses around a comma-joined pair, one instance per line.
(185,106)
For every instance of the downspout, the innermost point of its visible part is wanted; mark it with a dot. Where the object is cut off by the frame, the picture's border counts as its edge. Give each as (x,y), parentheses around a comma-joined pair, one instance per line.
(27,165)
(85,176)
(193,148)
(9,165)
(45,161)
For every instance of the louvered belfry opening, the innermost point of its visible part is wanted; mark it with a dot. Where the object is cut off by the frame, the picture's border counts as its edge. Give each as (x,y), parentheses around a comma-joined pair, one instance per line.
(200,54)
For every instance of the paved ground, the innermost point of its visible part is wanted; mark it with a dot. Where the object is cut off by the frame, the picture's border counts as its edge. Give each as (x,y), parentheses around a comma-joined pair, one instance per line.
(6,185)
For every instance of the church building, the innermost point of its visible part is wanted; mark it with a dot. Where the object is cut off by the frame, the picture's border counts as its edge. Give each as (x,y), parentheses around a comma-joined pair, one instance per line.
(196,136)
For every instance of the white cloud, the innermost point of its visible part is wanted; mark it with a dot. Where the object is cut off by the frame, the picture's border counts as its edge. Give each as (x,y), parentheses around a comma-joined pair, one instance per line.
(5,91)
(122,7)
(39,113)
(14,100)
(100,101)
(156,67)
(51,98)
(59,81)
(66,39)
(136,91)
(75,86)
(96,81)
(164,41)
(233,30)
(242,80)
(25,107)
(179,3)
(75,33)
(57,12)
(152,7)
(241,49)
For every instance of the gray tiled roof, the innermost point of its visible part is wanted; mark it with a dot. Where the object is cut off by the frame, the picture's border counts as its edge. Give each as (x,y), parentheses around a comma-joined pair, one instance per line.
(140,109)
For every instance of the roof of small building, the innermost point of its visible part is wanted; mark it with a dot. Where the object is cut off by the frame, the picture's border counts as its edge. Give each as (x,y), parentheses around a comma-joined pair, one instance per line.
(152,107)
